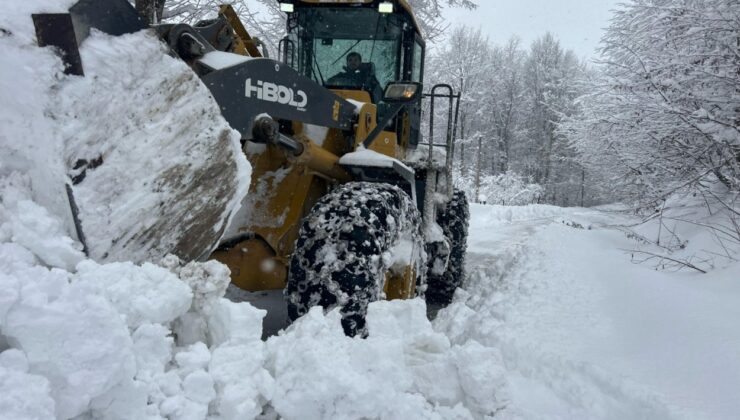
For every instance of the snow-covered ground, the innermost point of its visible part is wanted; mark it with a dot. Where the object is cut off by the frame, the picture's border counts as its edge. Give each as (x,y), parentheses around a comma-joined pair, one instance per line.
(556,321)
(584,332)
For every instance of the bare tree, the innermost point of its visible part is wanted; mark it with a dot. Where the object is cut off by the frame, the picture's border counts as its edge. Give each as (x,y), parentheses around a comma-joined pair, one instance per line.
(264,19)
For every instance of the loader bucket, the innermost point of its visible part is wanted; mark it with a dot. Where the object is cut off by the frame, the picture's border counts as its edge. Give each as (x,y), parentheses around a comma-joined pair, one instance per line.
(178,201)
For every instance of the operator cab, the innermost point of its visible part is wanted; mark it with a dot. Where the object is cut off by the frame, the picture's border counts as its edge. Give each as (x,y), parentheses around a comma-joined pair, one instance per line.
(323,35)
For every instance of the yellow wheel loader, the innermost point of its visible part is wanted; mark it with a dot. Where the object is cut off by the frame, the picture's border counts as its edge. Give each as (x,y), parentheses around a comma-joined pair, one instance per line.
(348,203)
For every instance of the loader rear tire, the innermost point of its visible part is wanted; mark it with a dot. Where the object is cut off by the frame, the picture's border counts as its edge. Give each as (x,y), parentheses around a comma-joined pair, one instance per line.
(453,220)
(345,247)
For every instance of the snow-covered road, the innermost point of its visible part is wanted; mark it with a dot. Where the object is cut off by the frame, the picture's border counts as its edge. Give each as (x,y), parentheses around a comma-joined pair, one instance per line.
(584,332)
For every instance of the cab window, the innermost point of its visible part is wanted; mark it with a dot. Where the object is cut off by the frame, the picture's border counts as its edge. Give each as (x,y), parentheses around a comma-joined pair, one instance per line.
(325,36)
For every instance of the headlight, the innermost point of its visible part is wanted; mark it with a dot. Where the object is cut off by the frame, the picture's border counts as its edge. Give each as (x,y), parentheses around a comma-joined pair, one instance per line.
(401,92)
(286,7)
(385,7)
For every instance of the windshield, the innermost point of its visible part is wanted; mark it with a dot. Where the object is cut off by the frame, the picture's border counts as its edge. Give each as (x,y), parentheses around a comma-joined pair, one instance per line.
(328,40)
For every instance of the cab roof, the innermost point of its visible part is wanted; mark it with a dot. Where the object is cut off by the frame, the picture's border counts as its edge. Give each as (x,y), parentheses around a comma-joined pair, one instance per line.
(403,3)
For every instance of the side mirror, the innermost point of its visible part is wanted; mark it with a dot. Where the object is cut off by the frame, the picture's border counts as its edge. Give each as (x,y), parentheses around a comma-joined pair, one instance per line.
(402,92)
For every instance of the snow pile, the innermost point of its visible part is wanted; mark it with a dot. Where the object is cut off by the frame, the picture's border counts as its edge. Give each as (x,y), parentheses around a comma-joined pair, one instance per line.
(78,337)
(402,370)
(99,340)
(122,341)
(28,142)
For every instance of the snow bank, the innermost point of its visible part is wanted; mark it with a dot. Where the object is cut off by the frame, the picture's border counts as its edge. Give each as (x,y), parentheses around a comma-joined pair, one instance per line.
(402,370)
(122,341)
(97,340)
(80,338)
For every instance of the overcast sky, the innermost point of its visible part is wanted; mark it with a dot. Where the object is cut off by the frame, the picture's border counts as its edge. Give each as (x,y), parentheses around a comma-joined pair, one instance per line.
(578,24)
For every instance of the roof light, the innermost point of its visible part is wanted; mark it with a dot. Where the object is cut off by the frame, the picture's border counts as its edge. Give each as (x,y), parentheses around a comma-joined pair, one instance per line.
(286,7)
(385,7)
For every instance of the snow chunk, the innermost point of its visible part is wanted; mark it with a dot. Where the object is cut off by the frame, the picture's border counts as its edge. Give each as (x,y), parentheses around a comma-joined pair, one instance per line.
(243,385)
(198,387)
(146,294)
(219,60)
(366,157)
(153,347)
(23,395)
(211,318)
(33,227)
(235,323)
(194,357)
(77,341)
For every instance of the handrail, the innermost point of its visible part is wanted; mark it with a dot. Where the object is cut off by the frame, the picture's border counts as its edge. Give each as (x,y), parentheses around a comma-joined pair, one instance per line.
(451,132)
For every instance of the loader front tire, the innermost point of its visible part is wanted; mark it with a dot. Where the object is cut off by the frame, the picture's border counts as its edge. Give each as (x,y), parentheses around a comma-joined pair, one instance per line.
(454,221)
(347,244)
